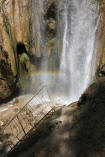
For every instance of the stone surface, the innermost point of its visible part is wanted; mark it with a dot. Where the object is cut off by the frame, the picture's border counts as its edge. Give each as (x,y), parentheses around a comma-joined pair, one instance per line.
(19,23)
(90,120)
(7,78)
(100,35)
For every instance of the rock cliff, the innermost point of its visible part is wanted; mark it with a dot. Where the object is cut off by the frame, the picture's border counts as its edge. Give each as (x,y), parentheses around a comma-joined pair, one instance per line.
(33,23)
(100,44)
(7,78)
(19,24)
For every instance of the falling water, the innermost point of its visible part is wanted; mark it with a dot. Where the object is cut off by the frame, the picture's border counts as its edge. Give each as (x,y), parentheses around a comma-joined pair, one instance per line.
(78,54)
(77,23)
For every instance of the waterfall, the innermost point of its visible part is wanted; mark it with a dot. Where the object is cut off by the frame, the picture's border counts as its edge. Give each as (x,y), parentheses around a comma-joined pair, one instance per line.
(78,54)
(77,24)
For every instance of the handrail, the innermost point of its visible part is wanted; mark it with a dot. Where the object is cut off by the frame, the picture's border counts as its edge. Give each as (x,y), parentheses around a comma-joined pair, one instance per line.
(17,127)
(24,107)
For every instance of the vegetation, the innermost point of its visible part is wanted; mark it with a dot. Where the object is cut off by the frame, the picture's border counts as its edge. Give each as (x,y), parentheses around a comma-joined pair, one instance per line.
(24,59)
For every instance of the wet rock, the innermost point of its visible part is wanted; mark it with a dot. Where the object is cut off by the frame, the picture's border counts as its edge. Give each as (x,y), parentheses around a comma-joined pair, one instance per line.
(100,35)
(94,92)
(102,71)
(7,78)
(89,128)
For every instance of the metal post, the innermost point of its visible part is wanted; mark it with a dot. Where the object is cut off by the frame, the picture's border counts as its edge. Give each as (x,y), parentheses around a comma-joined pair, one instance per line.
(21,124)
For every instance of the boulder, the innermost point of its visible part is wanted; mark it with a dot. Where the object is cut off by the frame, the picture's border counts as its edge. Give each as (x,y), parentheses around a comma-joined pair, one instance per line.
(89,122)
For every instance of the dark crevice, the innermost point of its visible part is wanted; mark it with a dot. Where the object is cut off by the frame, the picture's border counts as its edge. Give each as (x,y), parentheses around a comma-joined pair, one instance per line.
(10,98)
(50,18)
(51,12)
(21,48)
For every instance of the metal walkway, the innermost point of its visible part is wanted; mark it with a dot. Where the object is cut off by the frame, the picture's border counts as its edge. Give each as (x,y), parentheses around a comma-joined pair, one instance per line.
(28,118)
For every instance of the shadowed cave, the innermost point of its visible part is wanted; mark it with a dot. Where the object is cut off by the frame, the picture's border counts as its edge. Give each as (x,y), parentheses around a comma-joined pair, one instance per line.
(21,48)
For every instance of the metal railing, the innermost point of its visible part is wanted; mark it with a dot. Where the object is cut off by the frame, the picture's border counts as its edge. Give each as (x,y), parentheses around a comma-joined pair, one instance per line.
(28,117)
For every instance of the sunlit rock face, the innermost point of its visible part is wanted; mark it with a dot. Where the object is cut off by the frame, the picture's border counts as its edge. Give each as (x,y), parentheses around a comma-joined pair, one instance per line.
(24,18)
(31,23)
(21,21)
(14,28)
(100,40)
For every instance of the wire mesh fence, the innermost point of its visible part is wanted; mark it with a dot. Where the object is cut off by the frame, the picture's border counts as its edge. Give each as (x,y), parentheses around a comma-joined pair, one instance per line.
(29,116)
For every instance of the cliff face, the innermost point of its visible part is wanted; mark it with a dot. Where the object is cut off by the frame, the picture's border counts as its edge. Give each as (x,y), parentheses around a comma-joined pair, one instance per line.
(19,23)
(33,23)
(17,13)
(24,19)
(101,35)
(7,79)
(13,29)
